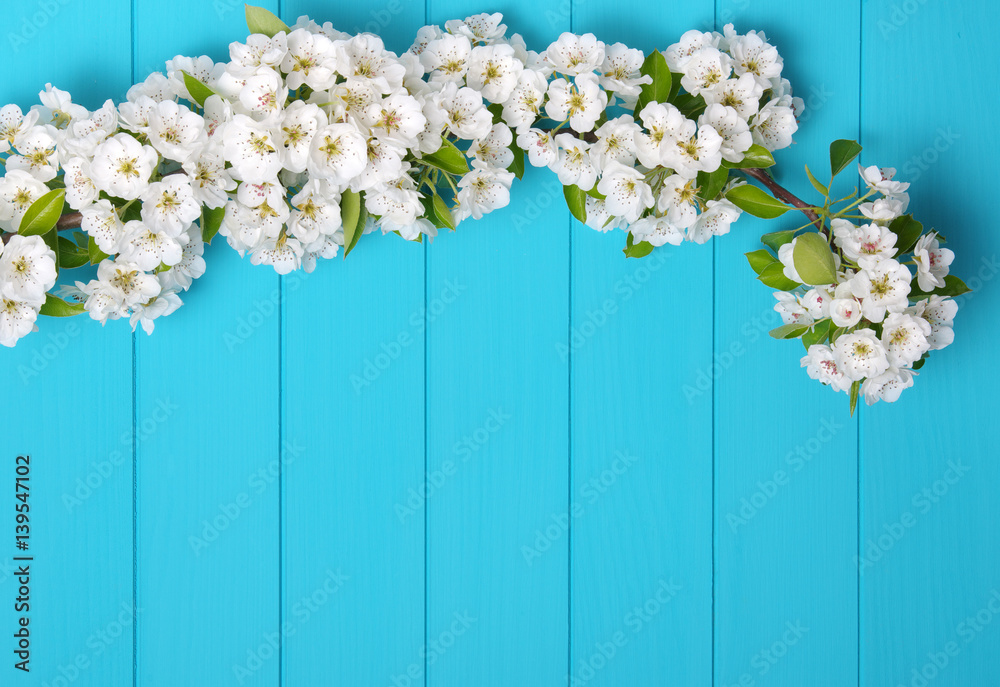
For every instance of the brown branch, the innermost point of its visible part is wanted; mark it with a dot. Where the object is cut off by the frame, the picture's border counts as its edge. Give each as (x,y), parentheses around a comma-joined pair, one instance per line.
(782,193)
(69,221)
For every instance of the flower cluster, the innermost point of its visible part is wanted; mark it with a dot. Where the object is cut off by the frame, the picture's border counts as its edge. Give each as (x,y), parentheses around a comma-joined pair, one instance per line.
(306,127)
(870,296)
(309,138)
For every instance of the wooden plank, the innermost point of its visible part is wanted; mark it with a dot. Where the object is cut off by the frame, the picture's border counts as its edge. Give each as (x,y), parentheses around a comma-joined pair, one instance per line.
(641,576)
(208,522)
(497,419)
(785,448)
(68,403)
(353,359)
(928,551)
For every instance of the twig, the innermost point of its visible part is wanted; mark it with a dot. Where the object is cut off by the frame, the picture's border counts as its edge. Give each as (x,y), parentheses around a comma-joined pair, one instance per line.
(782,193)
(69,221)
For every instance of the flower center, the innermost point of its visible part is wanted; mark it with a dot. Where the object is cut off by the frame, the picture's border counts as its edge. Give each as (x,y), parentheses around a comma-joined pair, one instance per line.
(129,167)
(261,145)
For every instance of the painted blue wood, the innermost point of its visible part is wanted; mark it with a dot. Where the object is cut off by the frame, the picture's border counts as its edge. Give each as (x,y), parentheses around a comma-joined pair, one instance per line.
(353,358)
(641,579)
(435,517)
(67,397)
(928,552)
(786,449)
(208,514)
(497,413)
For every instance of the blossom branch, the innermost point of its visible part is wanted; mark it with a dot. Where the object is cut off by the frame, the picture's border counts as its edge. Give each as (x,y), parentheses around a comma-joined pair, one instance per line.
(70,220)
(783,194)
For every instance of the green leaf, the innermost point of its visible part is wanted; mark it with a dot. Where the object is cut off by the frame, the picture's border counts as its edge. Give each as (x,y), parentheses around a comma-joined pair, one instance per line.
(429,211)
(690,105)
(841,154)
(774,276)
(353,219)
(789,331)
(756,157)
(260,20)
(813,259)
(757,202)
(594,193)
(517,166)
(448,158)
(855,388)
(776,239)
(675,86)
(71,255)
(760,259)
(95,253)
(576,201)
(442,212)
(907,231)
(817,333)
(199,92)
(636,250)
(835,332)
(953,286)
(655,67)
(920,363)
(211,222)
(57,307)
(44,214)
(496,109)
(815,182)
(710,184)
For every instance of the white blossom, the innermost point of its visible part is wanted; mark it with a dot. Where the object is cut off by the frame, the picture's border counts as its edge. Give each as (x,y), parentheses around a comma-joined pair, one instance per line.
(311,60)
(27,269)
(657,231)
(859,354)
(939,312)
(573,55)
(821,365)
(932,262)
(540,147)
(101,222)
(482,190)
(905,338)
(887,386)
(678,201)
(465,114)
(17,320)
(619,73)
(615,142)
(882,287)
(494,148)
(705,69)
(774,125)
(714,221)
(169,205)
(494,72)
(573,164)
(735,132)
(18,191)
(581,102)
(122,167)
(626,192)
(743,94)
(446,58)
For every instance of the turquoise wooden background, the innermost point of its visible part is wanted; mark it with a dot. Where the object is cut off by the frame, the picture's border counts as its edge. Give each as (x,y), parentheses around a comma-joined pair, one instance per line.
(515,457)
